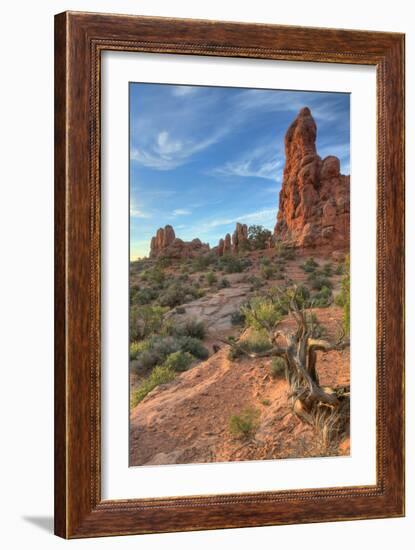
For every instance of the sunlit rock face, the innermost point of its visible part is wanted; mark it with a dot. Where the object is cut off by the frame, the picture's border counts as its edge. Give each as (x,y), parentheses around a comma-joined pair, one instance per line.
(314,202)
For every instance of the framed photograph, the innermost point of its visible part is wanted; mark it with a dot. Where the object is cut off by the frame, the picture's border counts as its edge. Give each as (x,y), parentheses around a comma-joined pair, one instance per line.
(229,275)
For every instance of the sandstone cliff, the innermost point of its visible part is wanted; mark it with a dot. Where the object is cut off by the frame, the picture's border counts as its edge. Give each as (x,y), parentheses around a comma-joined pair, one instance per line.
(314,198)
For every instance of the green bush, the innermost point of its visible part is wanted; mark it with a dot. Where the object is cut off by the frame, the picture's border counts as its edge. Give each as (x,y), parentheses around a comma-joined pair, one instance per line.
(268,271)
(318,331)
(193,346)
(327,269)
(266,402)
(232,264)
(262,312)
(138,347)
(202,262)
(255,282)
(211,278)
(151,318)
(343,298)
(339,270)
(155,275)
(283,251)
(258,237)
(177,294)
(179,361)
(192,328)
(318,280)
(277,368)
(322,298)
(143,296)
(309,265)
(256,342)
(245,424)
(159,375)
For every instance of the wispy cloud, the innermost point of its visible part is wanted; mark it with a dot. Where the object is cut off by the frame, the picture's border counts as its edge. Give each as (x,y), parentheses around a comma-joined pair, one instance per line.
(181,91)
(263,162)
(166,153)
(261,216)
(138,213)
(181,212)
(287,101)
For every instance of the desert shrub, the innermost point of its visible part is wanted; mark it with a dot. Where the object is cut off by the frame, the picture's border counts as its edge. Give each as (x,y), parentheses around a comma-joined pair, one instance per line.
(231,264)
(162,263)
(258,237)
(177,294)
(343,298)
(318,331)
(277,368)
(317,280)
(283,251)
(202,262)
(211,278)
(136,325)
(322,298)
(159,375)
(255,282)
(158,348)
(179,361)
(180,310)
(151,318)
(266,402)
(224,283)
(339,269)
(137,347)
(245,424)
(237,318)
(143,296)
(268,271)
(265,261)
(256,342)
(193,346)
(190,327)
(154,275)
(262,312)
(309,265)
(327,269)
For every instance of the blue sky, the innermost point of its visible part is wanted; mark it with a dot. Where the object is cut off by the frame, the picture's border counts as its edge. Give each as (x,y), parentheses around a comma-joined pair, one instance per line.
(203,158)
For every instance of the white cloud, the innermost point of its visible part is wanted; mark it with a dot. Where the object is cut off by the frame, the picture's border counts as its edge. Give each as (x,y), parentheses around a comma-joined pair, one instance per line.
(263,216)
(181,212)
(137,213)
(180,91)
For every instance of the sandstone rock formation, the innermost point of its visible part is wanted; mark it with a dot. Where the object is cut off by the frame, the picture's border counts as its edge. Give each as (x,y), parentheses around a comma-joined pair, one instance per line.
(239,237)
(315,198)
(165,244)
(227,245)
(234,244)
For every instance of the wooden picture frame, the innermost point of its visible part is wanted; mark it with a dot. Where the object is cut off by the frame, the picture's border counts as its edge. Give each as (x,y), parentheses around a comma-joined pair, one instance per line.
(79,40)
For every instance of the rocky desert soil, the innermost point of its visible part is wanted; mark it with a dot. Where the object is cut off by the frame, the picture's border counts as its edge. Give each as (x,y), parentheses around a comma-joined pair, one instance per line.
(187,420)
